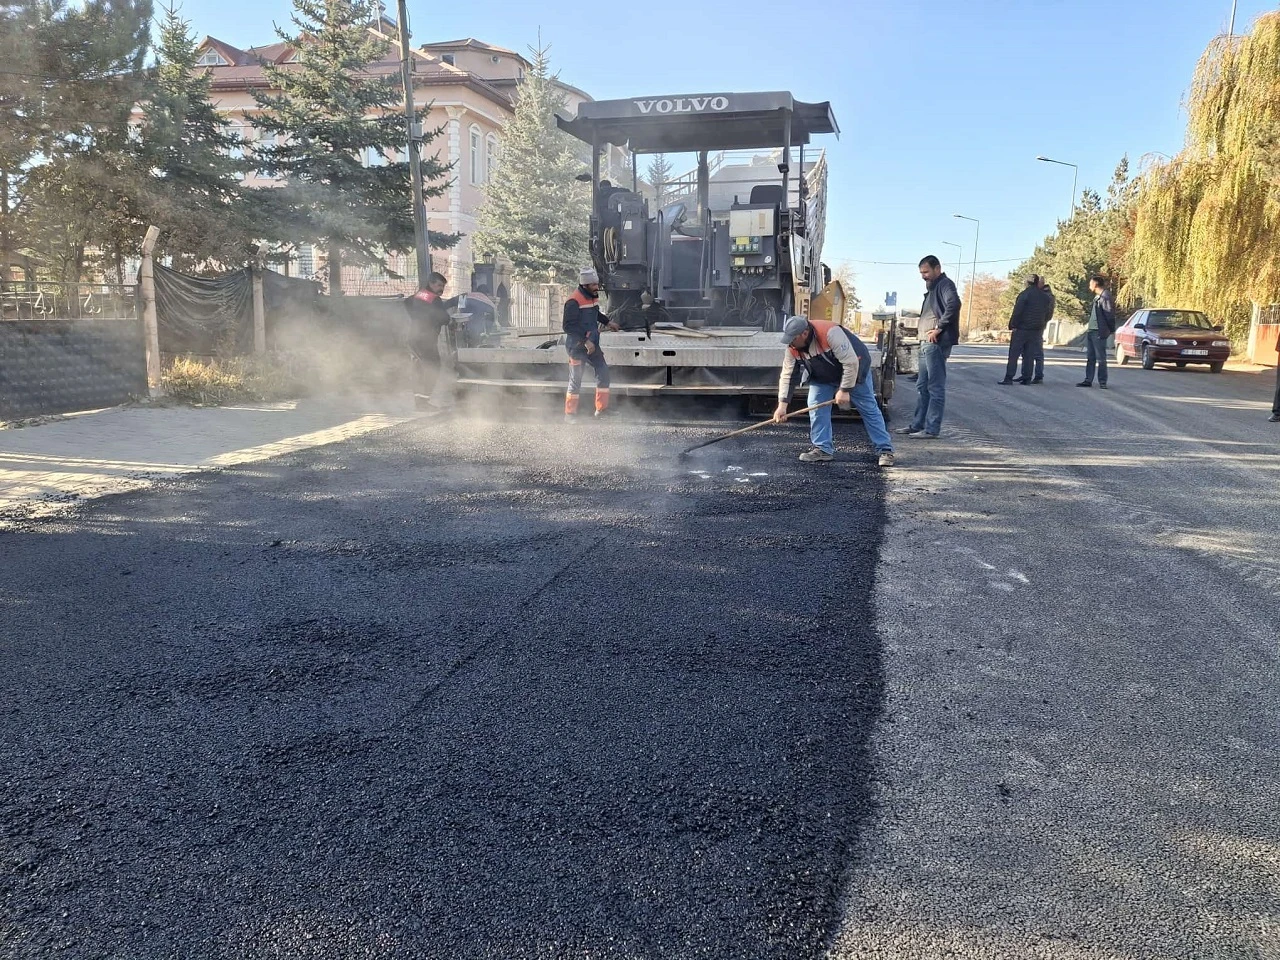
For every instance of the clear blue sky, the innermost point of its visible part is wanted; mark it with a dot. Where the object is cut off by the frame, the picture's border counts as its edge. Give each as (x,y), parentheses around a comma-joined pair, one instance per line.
(943,107)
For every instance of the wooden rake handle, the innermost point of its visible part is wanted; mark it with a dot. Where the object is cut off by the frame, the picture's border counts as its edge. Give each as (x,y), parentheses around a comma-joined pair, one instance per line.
(754,426)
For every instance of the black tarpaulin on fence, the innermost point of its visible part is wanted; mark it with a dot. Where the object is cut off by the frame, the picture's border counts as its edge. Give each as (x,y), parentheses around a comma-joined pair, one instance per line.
(204,315)
(214,315)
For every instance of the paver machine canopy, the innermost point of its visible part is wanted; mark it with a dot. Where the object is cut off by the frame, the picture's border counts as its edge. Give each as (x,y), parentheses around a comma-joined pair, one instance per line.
(750,261)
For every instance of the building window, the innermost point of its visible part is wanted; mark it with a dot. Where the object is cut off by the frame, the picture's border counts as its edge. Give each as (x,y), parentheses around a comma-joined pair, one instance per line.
(477,159)
(265,142)
(448,58)
(237,130)
(211,58)
(490,157)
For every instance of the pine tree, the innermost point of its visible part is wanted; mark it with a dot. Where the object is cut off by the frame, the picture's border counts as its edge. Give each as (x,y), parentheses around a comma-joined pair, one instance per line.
(86,64)
(536,214)
(328,117)
(658,175)
(192,188)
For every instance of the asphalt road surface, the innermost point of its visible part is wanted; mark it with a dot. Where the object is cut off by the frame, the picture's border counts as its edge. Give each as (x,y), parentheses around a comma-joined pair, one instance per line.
(445,691)
(528,691)
(1079,600)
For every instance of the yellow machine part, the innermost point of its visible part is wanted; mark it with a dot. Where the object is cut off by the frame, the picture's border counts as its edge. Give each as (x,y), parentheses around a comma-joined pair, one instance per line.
(829,305)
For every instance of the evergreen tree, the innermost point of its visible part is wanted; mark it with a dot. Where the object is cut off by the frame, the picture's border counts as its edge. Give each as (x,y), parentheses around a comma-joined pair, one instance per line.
(328,117)
(191,189)
(658,174)
(70,173)
(536,214)
(1094,240)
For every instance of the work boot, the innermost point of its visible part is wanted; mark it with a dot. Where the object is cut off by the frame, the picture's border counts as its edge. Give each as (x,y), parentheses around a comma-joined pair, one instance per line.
(816,456)
(886,459)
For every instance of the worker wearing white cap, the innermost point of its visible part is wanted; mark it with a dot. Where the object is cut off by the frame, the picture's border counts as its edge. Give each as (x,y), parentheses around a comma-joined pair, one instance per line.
(582,324)
(839,368)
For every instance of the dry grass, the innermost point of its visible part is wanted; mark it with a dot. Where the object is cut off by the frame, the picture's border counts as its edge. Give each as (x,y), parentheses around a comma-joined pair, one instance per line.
(212,382)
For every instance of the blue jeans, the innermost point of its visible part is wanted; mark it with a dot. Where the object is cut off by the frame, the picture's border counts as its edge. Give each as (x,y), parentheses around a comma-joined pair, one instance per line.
(864,401)
(932,385)
(1096,341)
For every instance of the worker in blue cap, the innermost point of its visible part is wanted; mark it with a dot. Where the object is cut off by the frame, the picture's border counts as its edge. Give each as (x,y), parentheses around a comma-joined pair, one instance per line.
(839,368)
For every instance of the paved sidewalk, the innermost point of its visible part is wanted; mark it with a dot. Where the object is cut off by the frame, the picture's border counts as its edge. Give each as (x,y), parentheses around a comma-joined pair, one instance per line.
(46,467)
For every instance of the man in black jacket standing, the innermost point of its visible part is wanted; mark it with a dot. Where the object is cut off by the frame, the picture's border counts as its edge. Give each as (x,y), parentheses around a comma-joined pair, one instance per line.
(428,316)
(1039,351)
(939,332)
(1028,320)
(1102,324)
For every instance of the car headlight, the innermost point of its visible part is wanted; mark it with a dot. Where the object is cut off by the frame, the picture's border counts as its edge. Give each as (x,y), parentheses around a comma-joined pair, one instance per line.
(1222,343)
(1167,342)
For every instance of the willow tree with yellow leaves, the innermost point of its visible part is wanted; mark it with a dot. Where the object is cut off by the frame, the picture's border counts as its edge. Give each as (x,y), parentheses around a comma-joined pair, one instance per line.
(1205,224)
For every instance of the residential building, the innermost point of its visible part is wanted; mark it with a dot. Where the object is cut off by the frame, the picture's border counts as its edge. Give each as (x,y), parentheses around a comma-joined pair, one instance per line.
(470,87)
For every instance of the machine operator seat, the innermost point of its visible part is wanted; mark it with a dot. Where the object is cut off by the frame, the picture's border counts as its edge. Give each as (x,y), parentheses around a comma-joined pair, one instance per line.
(767,193)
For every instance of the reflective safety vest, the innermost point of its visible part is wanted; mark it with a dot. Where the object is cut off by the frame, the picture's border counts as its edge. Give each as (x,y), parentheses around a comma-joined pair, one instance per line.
(586,326)
(823,367)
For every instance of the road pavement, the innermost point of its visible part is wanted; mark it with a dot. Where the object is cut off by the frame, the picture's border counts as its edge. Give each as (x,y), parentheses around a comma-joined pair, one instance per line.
(1079,598)
(529,690)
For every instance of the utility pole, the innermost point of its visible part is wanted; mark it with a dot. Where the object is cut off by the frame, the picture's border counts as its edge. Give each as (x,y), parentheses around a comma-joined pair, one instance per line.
(1231,30)
(413,137)
(973,274)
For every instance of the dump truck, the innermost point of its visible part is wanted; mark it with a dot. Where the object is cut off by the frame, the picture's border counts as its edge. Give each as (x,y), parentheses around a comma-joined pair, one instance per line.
(701,283)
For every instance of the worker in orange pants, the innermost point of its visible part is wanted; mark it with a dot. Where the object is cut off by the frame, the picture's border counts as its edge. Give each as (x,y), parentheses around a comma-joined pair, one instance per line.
(582,324)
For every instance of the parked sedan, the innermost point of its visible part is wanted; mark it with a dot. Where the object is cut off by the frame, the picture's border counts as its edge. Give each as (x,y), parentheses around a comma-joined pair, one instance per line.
(1172,336)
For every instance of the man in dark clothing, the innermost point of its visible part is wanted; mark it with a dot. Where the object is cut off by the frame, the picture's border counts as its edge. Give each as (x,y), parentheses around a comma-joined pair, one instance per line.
(1030,314)
(1275,404)
(939,327)
(1102,324)
(1038,356)
(428,316)
(582,324)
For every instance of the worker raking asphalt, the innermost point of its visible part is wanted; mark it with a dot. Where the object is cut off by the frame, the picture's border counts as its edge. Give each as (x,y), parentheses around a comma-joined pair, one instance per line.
(449,690)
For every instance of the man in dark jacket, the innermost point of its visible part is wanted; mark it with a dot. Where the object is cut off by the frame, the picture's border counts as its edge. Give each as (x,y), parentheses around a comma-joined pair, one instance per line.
(1275,404)
(1102,324)
(428,316)
(1028,320)
(939,332)
(582,324)
(1039,351)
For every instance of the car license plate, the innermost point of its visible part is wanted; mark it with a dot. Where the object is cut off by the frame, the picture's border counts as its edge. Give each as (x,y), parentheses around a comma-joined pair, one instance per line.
(1195,353)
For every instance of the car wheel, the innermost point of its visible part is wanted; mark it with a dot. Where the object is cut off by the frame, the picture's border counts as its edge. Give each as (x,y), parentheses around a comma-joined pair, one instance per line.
(1215,367)
(1180,364)
(1148,361)
(1121,357)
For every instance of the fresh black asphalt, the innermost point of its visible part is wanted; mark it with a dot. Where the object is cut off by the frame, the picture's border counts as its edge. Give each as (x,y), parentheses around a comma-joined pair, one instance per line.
(451,690)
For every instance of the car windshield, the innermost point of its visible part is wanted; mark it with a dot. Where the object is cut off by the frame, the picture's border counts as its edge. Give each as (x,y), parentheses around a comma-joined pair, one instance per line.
(1178,318)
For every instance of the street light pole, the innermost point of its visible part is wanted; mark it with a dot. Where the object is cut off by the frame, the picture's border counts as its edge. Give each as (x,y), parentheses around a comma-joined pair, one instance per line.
(973,275)
(1074,176)
(415,167)
(1231,30)
(959,249)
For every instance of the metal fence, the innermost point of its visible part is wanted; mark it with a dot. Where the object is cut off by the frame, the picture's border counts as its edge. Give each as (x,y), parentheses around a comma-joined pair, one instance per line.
(535,305)
(45,300)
